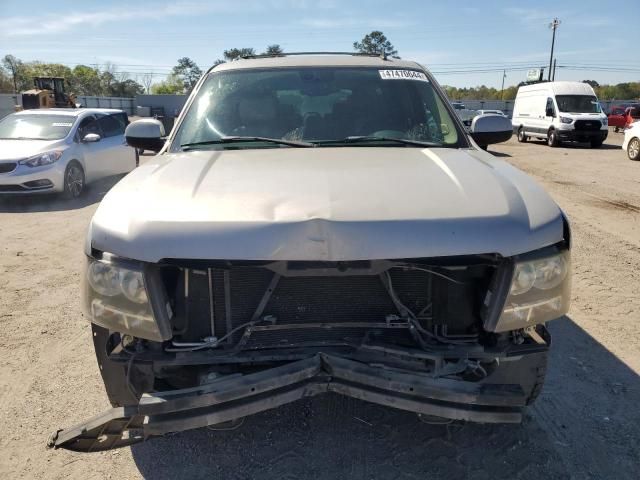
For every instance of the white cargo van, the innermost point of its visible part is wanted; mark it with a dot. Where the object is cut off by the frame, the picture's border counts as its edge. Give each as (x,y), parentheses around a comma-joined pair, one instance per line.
(559,111)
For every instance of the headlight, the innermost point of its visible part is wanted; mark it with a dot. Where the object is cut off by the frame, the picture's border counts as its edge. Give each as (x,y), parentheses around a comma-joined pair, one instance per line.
(41,159)
(566,120)
(116,297)
(605,121)
(540,291)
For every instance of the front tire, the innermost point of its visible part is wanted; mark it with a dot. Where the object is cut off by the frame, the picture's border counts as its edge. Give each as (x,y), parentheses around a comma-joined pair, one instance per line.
(633,149)
(74,180)
(552,139)
(522,138)
(596,143)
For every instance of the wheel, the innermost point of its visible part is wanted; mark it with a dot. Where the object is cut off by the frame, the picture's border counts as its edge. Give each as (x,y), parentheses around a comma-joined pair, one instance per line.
(73,180)
(616,129)
(137,159)
(596,143)
(633,149)
(552,138)
(522,138)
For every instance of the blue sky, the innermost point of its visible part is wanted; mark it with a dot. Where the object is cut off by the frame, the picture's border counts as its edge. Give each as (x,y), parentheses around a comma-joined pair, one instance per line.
(478,37)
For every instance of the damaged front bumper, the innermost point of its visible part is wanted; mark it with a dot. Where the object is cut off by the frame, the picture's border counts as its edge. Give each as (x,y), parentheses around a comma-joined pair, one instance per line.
(236,396)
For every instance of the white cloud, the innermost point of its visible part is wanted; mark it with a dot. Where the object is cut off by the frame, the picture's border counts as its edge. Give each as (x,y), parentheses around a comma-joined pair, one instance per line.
(329,23)
(528,15)
(65,21)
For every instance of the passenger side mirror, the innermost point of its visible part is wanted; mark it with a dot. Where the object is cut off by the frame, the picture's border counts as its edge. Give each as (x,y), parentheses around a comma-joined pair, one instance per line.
(490,129)
(91,138)
(146,134)
(550,113)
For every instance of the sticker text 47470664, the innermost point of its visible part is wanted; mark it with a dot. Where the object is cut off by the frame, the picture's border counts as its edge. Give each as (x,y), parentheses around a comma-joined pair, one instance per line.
(403,75)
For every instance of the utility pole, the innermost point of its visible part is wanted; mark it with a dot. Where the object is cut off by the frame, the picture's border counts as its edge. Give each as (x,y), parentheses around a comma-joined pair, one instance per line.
(504,75)
(553,26)
(555,60)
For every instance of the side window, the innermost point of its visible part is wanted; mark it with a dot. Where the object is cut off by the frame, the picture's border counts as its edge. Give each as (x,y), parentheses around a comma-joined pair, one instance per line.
(550,110)
(112,125)
(88,125)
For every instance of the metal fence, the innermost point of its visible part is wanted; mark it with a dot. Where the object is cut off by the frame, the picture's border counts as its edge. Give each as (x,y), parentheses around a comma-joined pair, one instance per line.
(121,103)
(8,102)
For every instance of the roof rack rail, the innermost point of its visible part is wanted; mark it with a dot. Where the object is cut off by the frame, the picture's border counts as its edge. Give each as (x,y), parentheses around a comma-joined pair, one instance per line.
(382,55)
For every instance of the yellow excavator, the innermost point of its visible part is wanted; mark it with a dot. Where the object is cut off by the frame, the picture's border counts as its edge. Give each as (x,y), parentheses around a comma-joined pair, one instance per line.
(48,92)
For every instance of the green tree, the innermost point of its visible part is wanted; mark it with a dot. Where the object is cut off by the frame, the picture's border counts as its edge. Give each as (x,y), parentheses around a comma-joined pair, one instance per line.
(172,85)
(85,81)
(6,82)
(14,67)
(235,53)
(126,88)
(188,71)
(376,43)
(274,49)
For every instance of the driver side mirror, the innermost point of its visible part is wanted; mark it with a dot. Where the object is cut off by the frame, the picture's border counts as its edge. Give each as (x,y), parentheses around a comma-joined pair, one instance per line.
(91,138)
(489,129)
(146,134)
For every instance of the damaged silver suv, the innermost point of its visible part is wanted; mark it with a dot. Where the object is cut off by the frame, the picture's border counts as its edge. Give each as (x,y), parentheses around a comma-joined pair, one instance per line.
(313,224)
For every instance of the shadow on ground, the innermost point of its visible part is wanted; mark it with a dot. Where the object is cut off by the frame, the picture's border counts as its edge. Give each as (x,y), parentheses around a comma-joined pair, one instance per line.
(54,202)
(586,424)
(578,145)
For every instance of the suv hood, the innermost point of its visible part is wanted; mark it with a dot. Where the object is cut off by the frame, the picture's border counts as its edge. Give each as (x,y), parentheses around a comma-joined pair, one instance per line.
(330,204)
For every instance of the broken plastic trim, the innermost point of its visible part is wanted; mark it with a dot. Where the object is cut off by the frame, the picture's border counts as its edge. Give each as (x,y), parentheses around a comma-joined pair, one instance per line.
(238,396)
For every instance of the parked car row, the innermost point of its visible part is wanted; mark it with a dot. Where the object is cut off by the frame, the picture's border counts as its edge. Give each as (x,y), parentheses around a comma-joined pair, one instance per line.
(62,150)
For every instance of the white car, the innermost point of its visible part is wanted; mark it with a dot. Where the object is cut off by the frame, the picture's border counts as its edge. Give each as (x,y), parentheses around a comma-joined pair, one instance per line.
(632,141)
(62,150)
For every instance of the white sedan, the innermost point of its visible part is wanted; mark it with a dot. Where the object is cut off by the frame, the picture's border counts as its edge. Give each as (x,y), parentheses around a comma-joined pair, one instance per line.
(632,141)
(62,150)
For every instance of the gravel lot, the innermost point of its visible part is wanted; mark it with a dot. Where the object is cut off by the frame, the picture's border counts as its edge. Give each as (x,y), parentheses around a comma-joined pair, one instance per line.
(586,423)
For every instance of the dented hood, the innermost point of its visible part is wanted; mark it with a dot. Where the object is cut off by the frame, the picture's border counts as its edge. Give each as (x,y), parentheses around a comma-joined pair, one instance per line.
(349,203)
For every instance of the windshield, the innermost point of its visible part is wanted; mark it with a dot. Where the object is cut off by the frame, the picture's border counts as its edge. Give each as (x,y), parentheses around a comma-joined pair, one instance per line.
(35,127)
(578,104)
(319,105)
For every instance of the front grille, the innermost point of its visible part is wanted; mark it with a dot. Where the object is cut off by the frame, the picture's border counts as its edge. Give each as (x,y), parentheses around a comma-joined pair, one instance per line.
(587,125)
(8,167)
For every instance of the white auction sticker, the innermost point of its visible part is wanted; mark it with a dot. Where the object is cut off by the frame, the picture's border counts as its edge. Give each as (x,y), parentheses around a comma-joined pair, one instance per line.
(403,75)
(59,124)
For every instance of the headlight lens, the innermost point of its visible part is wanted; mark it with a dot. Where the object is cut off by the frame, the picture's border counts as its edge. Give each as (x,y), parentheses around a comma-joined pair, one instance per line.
(540,291)
(42,159)
(605,121)
(566,120)
(116,298)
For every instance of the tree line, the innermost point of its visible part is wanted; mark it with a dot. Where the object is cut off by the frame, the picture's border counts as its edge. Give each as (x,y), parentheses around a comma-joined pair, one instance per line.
(17,76)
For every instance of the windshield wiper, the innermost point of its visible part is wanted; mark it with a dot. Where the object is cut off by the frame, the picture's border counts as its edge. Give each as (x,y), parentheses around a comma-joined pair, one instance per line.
(225,140)
(368,138)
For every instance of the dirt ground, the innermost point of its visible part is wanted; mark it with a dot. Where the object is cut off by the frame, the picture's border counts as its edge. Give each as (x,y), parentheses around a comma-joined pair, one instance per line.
(586,424)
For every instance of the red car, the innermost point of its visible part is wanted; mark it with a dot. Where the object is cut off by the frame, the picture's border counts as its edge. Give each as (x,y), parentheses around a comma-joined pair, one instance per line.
(622,117)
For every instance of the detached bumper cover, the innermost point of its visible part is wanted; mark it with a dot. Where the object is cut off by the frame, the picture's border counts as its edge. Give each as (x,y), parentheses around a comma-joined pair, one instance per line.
(234,397)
